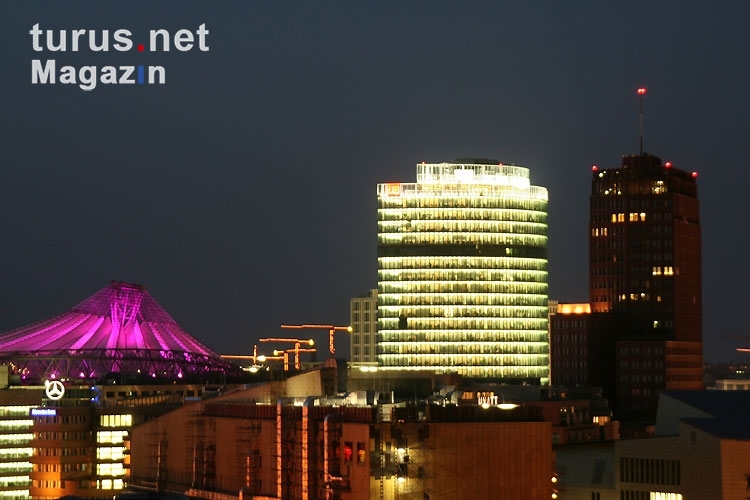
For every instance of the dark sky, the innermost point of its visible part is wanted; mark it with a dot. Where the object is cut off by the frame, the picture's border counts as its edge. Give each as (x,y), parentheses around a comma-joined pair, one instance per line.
(242,192)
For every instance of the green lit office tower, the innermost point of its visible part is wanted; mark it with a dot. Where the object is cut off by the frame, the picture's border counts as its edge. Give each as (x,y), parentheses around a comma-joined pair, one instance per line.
(462,272)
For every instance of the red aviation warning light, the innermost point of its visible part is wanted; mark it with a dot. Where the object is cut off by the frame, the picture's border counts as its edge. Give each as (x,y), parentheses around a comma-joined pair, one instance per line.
(641,91)
(594,168)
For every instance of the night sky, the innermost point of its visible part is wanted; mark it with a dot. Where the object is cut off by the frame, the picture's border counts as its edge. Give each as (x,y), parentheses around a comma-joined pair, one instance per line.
(242,191)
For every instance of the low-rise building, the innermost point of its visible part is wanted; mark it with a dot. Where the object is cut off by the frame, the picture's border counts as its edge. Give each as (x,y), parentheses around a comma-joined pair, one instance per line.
(701,449)
(360,446)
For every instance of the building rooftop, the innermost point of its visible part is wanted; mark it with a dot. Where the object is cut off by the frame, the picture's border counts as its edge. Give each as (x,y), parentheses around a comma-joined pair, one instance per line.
(715,412)
(722,428)
(722,404)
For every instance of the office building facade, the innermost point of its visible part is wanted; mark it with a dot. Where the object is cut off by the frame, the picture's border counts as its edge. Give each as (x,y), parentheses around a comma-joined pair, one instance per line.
(462,272)
(254,444)
(645,247)
(645,279)
(363,318)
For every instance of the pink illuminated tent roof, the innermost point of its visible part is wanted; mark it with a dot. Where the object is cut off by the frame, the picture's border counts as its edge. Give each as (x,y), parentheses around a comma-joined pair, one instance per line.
(119,328)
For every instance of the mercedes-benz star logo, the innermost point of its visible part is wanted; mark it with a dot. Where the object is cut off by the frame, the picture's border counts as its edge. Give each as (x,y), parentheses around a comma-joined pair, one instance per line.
(54,389)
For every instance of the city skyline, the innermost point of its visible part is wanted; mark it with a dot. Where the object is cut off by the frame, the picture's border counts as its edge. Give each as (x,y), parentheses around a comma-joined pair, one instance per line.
(241,192)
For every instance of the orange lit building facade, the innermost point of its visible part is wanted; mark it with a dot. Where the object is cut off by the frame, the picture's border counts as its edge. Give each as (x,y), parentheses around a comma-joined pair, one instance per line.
(317,448)
(79,444)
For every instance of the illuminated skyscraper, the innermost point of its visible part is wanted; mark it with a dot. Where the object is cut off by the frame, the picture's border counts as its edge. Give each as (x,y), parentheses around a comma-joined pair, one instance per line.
(462,272)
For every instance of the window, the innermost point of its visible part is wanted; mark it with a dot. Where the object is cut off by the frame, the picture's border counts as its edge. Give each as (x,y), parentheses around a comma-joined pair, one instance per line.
(348,451)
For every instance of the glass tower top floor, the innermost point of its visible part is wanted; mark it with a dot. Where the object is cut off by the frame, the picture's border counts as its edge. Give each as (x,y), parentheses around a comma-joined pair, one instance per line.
(470,178)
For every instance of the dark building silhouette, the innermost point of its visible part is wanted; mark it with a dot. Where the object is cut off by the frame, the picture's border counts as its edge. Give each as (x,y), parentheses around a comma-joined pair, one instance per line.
(582,348)
(645,282)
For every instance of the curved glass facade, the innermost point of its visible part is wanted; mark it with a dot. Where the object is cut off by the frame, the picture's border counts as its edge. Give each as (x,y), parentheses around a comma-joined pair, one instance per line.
(462,272)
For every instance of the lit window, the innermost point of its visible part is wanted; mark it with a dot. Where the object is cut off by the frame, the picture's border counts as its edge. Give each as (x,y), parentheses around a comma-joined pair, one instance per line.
(657,495)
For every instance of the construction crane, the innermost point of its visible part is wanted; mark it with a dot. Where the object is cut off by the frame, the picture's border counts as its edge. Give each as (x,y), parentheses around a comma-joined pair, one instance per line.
(256,359)
(254,356)
(331,330)
(285,355)
(296,350)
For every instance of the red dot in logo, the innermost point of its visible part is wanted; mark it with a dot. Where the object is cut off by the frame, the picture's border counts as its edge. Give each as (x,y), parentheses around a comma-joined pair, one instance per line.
(141,47)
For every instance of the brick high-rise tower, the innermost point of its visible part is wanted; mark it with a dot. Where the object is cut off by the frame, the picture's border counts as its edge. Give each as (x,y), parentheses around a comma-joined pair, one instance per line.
(645,273)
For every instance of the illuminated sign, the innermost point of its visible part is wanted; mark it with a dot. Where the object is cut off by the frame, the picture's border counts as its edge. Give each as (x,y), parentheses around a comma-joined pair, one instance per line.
(490,400)
(43,412)
(393,189)
(54,389)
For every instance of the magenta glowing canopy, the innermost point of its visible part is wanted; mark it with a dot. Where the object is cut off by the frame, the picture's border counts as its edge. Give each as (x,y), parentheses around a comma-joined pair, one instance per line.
(121,328)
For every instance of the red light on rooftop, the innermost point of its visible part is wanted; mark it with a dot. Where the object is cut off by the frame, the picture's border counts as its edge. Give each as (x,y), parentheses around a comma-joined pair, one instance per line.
(694,174)
(668,164)
(594,168)
(641,91)
(424,163)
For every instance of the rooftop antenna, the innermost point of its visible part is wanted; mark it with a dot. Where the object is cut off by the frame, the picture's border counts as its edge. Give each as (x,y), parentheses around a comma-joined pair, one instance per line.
(641,92)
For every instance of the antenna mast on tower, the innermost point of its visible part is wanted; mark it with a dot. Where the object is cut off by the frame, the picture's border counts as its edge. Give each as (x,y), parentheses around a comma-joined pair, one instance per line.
(641,92)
